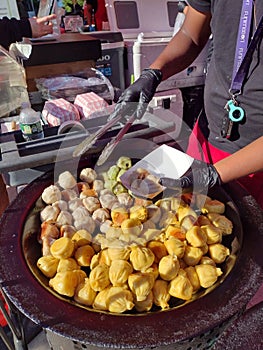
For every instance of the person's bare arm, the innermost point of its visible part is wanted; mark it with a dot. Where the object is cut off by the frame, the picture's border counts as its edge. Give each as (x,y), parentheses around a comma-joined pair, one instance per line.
(185,45)
(41,26)
(246,161)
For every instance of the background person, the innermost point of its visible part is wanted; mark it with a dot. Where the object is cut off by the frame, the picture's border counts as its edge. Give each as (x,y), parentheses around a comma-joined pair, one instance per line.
(100,12)
(14,30)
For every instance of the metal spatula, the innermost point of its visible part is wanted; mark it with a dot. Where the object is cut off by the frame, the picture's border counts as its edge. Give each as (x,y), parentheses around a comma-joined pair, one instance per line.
(114,142)
(88,142)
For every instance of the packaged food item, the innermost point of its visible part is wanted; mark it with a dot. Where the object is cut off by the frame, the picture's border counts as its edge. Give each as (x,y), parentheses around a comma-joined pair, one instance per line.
(58,111)
(69,86)
(90,105)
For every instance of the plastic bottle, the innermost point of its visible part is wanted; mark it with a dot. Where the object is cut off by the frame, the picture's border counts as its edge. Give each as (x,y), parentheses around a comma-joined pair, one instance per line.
(30,123)
(47,7)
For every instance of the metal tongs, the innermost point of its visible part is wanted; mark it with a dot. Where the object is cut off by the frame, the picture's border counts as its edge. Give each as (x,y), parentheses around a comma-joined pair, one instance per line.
(87,143)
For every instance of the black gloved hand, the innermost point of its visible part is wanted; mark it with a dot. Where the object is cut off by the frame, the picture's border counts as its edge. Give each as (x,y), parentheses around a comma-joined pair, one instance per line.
(200,177)
(136,97)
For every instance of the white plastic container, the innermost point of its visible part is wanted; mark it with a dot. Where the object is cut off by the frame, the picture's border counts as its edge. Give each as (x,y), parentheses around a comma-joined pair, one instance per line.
(30,123)
(13,88)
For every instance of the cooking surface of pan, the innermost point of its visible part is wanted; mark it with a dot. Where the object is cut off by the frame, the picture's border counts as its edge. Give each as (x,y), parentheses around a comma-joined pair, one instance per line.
(134,330)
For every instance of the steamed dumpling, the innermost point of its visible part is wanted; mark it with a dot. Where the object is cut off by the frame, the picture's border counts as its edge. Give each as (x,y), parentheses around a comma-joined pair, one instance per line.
(213,234)
(65,283)
(169,267)
(84,294)
(80,213)
(99,277)
(82,237)
(175,246)
(61,205)
(119,272)
(68,264)
(62,248)
(51,194)
(118,215)
(116,253)
(69,194)
(193,277)
(125,199)
(158,248)
(64,218)
(124,163)
(180,287)
(207,274)
(119,300)
(144,305)
(48,265)
(74,203)
(101,215)
(49,213)
(66,180)
(161,295)
(192,255)
(218,252)
(100,301)
(88,174)
(98,185)
(107,200)
(196,237)
(141,258)
(84,254)
(141,284)
(91,204)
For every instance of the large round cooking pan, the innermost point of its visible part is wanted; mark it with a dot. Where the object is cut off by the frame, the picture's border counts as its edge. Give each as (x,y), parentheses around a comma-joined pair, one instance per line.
(152,329)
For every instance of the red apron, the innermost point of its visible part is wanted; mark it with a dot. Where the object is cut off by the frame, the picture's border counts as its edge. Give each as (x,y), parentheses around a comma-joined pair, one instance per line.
(199,148)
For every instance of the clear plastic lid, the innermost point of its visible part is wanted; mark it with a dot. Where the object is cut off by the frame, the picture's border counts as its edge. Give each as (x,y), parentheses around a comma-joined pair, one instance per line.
(13,85)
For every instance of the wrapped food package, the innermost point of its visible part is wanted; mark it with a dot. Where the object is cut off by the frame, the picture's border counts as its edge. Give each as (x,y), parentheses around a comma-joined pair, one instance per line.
(58,111)
(69,86)
(90,105)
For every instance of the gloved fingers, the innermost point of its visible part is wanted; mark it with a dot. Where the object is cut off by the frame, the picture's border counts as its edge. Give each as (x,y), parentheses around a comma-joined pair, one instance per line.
(179,186)
(141,109)
(127,109)
(199,178)
(145,188)
(124,109)
(171,183)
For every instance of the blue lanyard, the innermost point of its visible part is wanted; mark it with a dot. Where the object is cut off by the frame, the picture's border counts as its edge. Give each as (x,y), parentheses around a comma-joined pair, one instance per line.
(244,52)
(243,57)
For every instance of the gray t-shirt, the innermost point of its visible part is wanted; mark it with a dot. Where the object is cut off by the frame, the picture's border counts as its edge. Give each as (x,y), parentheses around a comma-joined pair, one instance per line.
(224,26)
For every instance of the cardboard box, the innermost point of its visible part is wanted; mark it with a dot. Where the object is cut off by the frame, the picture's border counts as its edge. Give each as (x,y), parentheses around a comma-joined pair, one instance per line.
(58,111)
(89,105)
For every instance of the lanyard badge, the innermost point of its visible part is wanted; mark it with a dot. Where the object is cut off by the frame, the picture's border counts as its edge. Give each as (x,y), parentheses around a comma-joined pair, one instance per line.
(235,115)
